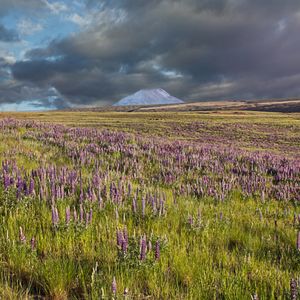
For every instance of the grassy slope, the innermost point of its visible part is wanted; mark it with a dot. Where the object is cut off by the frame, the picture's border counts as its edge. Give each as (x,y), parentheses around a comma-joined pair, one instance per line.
(231,257)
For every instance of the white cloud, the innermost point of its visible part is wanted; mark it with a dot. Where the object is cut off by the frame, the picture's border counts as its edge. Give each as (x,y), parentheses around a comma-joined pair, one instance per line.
(7,57)
(55,7)
(79,20)
(105,17)
(172,74)
(26,27)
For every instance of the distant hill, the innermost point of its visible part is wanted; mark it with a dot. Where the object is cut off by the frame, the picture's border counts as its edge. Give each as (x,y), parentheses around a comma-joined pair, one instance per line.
(268,105)
(148,97)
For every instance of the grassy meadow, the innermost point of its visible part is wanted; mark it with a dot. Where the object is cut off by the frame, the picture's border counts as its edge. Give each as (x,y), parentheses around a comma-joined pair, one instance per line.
(107,205)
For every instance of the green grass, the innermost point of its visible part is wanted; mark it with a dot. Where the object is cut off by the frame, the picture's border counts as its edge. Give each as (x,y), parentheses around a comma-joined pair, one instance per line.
(224,259)
(230,257)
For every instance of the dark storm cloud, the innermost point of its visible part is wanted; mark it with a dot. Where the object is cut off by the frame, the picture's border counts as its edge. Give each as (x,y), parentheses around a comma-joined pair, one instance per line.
(209,49)
(16,92)
(7,35)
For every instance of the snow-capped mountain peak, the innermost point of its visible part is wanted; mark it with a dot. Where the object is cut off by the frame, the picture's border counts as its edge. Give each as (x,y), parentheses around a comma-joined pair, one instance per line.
(148,97)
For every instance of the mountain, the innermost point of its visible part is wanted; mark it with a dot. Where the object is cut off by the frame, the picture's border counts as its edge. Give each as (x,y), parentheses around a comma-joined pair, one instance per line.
(148,97)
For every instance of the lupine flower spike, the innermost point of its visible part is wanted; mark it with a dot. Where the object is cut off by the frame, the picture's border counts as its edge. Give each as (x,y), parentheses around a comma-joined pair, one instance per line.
(114,286)
(22,237)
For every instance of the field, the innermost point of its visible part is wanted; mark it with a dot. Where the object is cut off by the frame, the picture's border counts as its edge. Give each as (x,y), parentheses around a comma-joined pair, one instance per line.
(150,205)
(267,105)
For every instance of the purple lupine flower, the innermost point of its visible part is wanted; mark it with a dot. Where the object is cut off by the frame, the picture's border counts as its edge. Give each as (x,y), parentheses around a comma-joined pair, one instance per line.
(104,192)
(162,207)
(81,212)
(55,218)
(143,206)
(31,187)
(68,215)
(125,240)
(22,236)
(41,193)
(129,190)
(294,289)
(157,250)
(25,188)
(114,286)
(6,181)
(119,238)
(32,243)
(143,247)
(190,220)
(81,197)
(53,192)
(75,215)
(124,245)
(19,187)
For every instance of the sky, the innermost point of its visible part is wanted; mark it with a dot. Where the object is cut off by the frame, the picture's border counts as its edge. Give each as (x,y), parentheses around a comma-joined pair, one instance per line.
(72,53)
